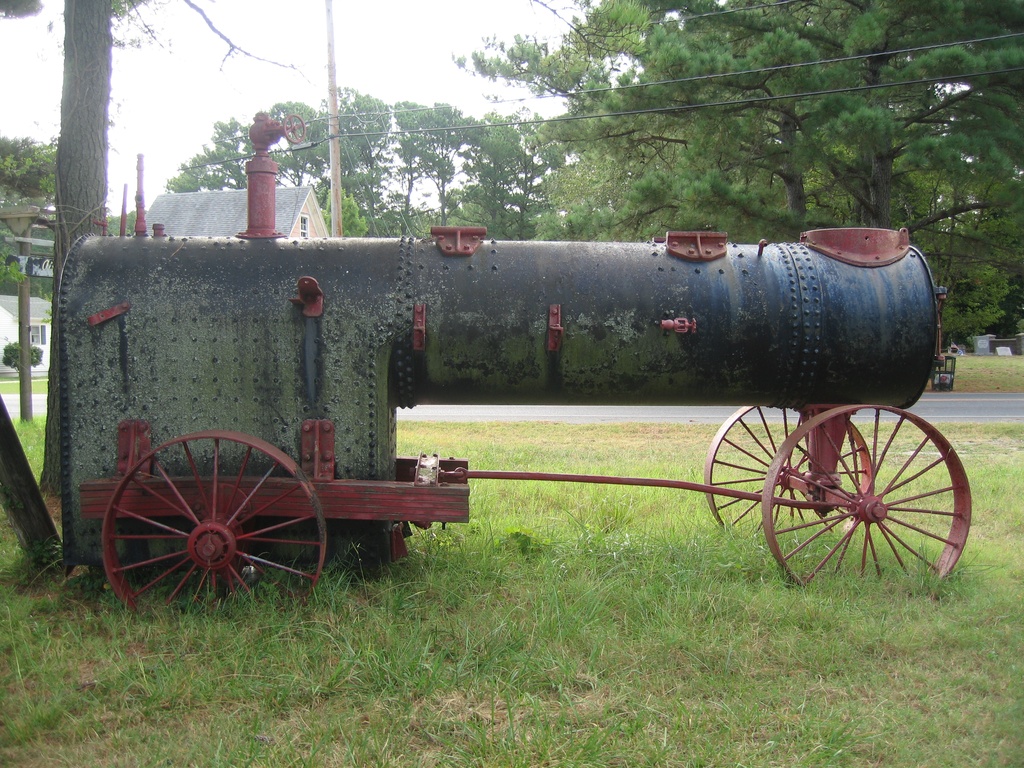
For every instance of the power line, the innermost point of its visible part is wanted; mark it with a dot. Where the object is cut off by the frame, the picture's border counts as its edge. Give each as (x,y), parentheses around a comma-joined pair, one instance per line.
(635,112)
(391,113)
(712,75)
(704,105)
(797,65)
(736,10)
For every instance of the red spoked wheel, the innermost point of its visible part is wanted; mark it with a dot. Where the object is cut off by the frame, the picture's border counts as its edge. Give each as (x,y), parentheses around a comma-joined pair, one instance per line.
(294,129)
(738,459)
(895,499)
(211,514)
(740,455)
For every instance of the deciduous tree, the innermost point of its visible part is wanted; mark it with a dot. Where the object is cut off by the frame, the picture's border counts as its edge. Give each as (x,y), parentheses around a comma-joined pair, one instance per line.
(505,167)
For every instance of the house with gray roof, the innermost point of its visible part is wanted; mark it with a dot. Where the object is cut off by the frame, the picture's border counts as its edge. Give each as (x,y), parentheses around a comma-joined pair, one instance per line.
(223,213)
(39,330)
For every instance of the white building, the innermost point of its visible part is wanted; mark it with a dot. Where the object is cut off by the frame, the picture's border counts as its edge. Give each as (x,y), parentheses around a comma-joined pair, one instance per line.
(39,333)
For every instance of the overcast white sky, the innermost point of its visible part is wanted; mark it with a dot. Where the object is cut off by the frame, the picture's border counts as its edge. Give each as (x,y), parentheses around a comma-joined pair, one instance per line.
(167,95)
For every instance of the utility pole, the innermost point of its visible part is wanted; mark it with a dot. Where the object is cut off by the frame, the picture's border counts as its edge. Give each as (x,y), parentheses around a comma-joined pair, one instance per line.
(19,493)
(21,221)
(333,127)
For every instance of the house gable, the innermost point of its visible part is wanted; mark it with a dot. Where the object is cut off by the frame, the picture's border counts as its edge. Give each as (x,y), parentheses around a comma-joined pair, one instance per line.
(224,213)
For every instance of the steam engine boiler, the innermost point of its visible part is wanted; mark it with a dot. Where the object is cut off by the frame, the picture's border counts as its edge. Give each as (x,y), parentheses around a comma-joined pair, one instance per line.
(228,404)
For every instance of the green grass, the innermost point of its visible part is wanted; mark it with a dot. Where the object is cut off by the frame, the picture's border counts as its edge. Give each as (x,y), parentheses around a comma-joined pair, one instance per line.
(11,386)
(565,625)
(989,374)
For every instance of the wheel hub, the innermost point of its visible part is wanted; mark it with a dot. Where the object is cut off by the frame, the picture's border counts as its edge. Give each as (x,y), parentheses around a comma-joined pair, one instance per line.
(212,545)
(872,509)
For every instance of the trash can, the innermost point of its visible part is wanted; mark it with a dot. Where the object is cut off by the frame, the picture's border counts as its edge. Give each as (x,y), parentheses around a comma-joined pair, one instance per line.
(943,373)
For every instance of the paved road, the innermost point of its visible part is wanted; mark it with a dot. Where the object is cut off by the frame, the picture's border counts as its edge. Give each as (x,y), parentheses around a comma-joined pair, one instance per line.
(934,406)
(13,403)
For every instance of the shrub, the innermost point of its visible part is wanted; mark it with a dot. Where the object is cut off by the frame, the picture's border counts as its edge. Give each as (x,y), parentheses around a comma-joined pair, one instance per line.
(12,356)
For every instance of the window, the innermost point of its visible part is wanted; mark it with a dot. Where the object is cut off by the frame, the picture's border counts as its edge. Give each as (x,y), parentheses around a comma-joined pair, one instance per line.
(37,335)
(303,226)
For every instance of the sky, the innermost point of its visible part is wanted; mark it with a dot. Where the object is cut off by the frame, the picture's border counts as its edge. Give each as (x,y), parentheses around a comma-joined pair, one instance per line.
(168,93)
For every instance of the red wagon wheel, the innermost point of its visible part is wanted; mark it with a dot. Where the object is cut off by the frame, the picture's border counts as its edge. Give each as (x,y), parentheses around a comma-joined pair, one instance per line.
(739,458)
(824,511)
(210,514)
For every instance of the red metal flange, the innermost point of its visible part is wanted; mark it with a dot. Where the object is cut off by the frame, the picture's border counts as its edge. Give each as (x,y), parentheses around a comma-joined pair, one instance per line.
(697,246)
(860,246)
(458,241)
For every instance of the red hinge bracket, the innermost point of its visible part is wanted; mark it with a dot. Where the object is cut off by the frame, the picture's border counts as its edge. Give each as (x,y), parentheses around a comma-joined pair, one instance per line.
(458,241)
(132,443)
(697,246)
(419,327)
(317,444)
(107,314)
(555,329)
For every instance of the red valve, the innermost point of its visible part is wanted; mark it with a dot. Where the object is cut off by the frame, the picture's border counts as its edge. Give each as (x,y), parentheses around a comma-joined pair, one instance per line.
(679,325)
(264,131)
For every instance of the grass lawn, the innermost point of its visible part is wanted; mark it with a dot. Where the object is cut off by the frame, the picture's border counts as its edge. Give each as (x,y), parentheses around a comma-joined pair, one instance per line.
(11,386)
(563,626)
(989,373)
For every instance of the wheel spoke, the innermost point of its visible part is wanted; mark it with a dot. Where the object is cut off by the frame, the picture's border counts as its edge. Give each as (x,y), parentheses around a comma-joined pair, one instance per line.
(233,574)
(181,584)
(267,529)
(182,508)
(816,521)
(159,578)
(245,502)
(151,562)
(277,566)
(922,511)
(237,487)
(845,543)
(923,531)
(215,484)
(744,513)
(912,550)
(869,546)
(190,513)
(197,477)
(127,513)
(893,485)
(762,466)
(841,546)
(892,540)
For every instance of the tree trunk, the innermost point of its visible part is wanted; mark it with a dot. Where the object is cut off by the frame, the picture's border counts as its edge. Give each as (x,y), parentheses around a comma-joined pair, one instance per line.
(789,172)
(879,163)
(880,191)
(81,191)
